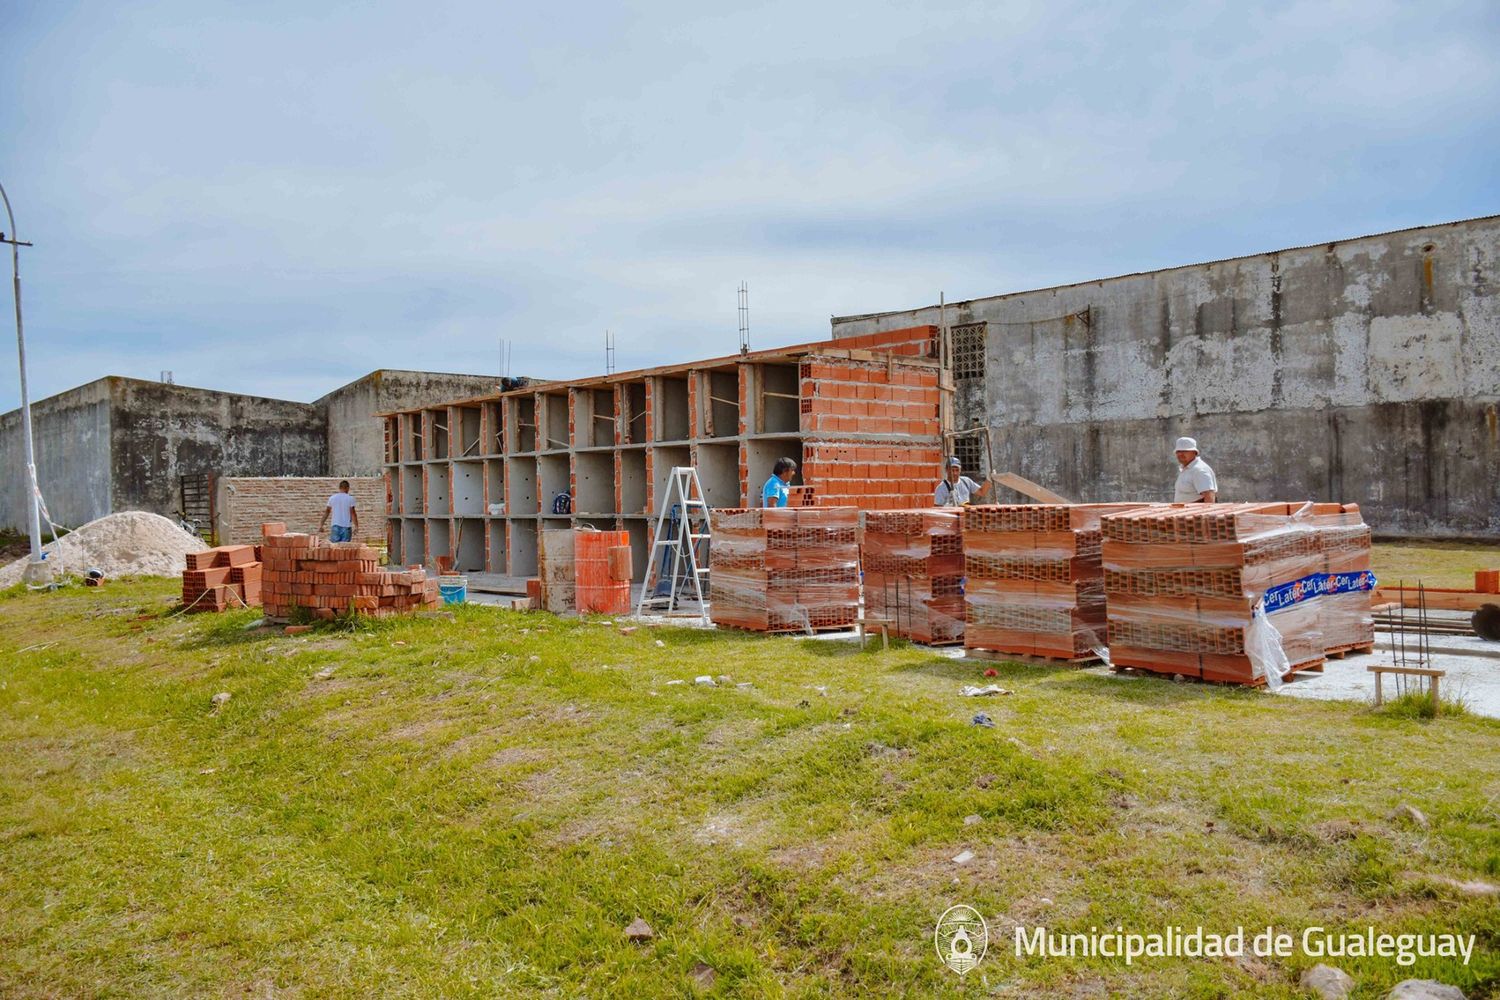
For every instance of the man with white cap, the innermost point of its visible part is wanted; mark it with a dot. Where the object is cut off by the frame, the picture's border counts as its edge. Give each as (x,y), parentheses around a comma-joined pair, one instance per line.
(957,489)
(1196,482)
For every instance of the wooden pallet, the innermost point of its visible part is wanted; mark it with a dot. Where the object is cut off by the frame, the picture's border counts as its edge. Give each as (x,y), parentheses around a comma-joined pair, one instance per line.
(851,629)
(1000,656)
(1305,667)
(1353,649)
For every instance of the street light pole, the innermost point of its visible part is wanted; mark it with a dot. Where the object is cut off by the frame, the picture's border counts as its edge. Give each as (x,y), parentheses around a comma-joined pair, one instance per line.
(36,572)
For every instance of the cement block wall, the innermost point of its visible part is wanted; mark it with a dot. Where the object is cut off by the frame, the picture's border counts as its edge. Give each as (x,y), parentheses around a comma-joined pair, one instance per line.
(244,503)
(1364,370)
(355,431)
(72,445)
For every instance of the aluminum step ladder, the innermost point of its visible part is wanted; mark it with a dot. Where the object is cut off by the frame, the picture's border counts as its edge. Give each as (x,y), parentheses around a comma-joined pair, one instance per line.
(673,565)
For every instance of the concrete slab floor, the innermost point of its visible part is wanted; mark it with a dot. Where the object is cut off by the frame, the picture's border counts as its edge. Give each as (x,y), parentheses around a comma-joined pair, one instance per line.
(1472,680)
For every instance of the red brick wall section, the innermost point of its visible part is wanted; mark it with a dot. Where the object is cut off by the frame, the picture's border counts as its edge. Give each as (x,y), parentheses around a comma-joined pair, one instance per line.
(913,341)
(244,503)
(744,394)
(692,394)
(871,476)
(868,398)
(872,433)
(651,500)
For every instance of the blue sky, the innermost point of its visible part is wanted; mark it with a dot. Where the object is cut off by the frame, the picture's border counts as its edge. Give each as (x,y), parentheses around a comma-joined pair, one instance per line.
(279,197)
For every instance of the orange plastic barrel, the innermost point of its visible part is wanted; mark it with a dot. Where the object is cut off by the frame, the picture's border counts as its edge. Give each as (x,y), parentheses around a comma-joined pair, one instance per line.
(600,591)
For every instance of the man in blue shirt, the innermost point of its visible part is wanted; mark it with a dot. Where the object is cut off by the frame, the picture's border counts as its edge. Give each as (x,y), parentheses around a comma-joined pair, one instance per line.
(774,493)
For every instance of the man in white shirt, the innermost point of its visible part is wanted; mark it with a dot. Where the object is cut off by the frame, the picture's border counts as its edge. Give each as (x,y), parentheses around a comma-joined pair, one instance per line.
(957,489)
(345,517)
(1196,482)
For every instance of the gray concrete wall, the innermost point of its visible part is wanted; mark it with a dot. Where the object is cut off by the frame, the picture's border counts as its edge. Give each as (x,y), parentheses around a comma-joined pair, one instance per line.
(160,432)
(71,433)
(356,437)
(1365,370)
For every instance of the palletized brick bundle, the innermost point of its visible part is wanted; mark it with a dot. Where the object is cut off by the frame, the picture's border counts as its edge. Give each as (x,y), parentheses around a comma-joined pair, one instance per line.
(1182,584)
(221,578)
(329,579)
(1033,581)
(784,569)
(1345,604)
(913,564)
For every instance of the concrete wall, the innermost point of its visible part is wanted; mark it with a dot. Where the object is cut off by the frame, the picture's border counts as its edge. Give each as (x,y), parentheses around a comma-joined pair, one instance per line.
(160,432)
(356,436)
(1365,370)
(243,504)
(121,444)
(71,433)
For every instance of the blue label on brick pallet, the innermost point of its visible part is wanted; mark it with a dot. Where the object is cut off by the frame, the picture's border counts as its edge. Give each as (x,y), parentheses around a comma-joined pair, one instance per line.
(1349,583)
(1286,595)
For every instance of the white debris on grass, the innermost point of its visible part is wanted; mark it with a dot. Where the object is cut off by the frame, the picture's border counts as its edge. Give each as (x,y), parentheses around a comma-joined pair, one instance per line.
(131,543)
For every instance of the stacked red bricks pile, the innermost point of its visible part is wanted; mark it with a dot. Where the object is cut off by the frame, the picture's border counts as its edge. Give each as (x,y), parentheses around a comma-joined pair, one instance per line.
(914,565)
(1034,583)
(329,579)
(1183,584)
(784,569)
(1345,604)
(222,578)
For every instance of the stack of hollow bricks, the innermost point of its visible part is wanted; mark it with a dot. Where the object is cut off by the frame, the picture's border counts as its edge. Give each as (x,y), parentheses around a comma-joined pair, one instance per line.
(913,565)
(783,569)
(1182,584)
(1348,622)
(221,578)
(333,578)
(1034,585)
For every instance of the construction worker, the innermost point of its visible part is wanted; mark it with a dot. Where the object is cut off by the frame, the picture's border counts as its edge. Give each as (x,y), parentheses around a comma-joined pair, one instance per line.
(1196,482)
(775,492)
(957,489)
(345,517)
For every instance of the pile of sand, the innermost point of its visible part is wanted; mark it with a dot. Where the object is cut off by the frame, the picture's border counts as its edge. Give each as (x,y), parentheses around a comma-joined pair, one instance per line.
(132,543)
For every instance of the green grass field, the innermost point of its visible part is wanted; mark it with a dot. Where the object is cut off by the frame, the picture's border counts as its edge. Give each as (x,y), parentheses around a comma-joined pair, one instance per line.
(1436,564)
(478,807)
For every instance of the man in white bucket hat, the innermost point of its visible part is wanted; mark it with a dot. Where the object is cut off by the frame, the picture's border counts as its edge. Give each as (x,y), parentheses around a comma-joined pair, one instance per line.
(1196,482)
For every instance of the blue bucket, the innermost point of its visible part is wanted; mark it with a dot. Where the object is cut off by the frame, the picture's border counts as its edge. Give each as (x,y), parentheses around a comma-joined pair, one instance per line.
(453,589)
